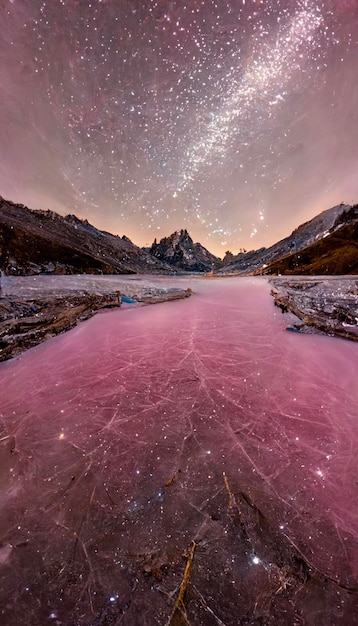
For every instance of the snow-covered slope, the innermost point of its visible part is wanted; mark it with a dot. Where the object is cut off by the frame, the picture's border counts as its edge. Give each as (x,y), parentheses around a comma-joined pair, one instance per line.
(303,236)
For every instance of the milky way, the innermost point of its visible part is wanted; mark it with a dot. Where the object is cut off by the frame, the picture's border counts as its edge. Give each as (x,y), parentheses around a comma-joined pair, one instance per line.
(235,119)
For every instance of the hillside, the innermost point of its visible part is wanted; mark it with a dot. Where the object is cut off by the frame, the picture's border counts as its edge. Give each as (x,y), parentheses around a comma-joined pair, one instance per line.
(44,242)
(33,242)
(335,254)
(302,237)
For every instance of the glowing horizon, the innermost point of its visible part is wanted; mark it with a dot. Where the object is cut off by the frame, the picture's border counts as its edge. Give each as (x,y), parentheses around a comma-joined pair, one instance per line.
(237,124)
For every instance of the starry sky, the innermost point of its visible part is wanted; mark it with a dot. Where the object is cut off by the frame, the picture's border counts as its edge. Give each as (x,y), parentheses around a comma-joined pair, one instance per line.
(235,119)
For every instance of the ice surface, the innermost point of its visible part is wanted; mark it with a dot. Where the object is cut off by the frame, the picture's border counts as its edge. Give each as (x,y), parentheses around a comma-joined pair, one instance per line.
(27,287)
(196,429)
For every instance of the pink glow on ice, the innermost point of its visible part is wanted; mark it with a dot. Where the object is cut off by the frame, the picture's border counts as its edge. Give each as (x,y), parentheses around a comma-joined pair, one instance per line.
(115,440)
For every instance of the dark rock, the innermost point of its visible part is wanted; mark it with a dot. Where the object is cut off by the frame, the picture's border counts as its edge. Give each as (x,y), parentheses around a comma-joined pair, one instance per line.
(36,242)
(181,252)
(305,235)
(337,253)
(24,324)
(328,305)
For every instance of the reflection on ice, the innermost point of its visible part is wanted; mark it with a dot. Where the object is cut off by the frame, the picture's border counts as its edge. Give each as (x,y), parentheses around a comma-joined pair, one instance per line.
(187,461)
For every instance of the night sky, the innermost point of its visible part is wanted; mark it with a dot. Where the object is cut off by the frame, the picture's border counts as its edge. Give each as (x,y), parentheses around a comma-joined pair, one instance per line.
(235,119)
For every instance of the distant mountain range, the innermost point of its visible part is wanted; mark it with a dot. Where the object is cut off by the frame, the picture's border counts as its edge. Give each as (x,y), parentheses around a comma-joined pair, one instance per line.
(33,242)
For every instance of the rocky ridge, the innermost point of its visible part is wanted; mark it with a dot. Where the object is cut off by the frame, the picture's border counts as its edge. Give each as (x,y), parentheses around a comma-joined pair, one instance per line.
(305,235)
(335,253)
(43,242)
(179,251)
(35,242)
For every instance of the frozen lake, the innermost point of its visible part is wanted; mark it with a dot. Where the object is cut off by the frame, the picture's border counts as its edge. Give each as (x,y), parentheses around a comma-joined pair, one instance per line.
(28,287)
(193,432)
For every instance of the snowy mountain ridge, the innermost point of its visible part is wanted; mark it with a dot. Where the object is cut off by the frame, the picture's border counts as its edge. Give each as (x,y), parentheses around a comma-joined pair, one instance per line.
(303,236)
(35,242)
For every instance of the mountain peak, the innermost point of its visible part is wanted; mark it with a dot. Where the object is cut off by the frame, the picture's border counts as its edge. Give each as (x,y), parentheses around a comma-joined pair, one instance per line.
(180,251)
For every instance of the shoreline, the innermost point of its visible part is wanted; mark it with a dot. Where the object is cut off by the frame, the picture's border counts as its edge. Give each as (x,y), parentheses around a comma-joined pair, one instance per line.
(323,305)
(27,322)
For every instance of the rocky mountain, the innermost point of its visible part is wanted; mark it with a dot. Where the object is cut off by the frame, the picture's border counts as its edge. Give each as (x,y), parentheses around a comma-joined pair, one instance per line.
(302,237)
(33,242)
(181,252)
(335,253)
